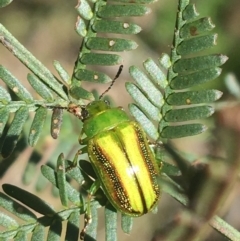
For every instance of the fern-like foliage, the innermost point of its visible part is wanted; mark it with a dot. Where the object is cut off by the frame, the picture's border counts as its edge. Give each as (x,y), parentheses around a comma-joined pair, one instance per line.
(167,96)
(164,95)
(101,21)
(55,92)
(164,98)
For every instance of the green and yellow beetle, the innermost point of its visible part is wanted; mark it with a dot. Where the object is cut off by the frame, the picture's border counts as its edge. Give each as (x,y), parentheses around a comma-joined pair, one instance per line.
(119,152)
(121,157)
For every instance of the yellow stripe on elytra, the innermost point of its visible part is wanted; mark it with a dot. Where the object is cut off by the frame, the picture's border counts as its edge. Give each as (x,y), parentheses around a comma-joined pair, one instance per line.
(139,165)
(111,147)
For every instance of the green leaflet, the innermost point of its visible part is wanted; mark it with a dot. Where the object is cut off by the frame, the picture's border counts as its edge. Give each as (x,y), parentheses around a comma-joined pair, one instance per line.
(110,26)
(40,88)
(15,85)
(197,44)
(126,223)
(81,27)
(62,72)
(182,131)
(156,74)
(84,10)
(199,77)
(78,92)
(147,124)
(37,125)
(56,122)
(189,11)
(186,114)
(61,180)
(72,194)
(146,106)
(110,223)
(146,86)
(198,27)
(109,11)
(198,63)
(4,96)
(193,97)
(100,59)
(7,221)
(21,236)
(14,131)
(38,233)
(111,44)
(92,76)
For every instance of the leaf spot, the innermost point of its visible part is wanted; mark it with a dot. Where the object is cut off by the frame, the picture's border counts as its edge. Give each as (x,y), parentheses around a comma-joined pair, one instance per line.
(193,31)
(111,43)
(55,131)
(126,25)
(15,89)
(33,131)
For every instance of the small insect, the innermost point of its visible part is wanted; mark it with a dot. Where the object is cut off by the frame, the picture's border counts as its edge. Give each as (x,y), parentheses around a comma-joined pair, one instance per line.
(119,152)
(121,157)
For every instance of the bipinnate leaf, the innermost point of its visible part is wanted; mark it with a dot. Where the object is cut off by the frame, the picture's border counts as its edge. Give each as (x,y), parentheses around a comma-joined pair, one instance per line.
(156,93)
(101,20)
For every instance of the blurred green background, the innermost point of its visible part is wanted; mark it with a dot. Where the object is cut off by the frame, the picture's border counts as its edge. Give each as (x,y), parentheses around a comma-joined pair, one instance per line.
(46,28)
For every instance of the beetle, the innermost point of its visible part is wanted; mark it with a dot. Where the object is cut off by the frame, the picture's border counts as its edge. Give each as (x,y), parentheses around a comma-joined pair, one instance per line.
(119,152)
(124,164)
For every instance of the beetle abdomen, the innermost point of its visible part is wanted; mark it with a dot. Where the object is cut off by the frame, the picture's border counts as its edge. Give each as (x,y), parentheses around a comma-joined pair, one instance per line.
(126,167)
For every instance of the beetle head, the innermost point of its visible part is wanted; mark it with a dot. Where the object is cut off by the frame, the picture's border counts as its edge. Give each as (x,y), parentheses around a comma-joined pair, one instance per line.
(94,108)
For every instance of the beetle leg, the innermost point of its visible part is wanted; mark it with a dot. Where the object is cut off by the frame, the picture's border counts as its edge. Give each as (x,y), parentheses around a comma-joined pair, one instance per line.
(95,186)
(159,150)
(82,141)
(88,216)
(87,221)
(75,161)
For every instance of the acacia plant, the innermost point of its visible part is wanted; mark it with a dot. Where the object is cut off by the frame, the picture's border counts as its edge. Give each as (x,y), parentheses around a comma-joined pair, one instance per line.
(169,99)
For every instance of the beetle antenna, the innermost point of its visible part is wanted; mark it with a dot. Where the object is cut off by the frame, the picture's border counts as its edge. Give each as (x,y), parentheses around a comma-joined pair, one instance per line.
(114,80)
